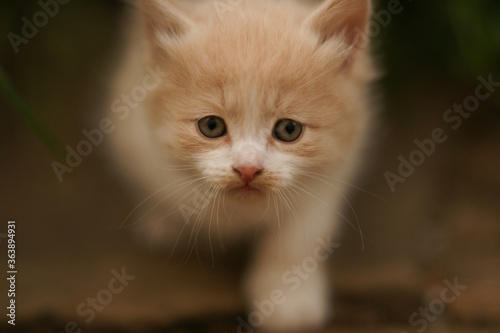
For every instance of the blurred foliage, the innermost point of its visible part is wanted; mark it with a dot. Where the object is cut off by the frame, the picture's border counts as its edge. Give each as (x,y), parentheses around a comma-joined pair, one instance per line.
(447,37)
(18,105)
(59,76)
(476,27)
(436,50)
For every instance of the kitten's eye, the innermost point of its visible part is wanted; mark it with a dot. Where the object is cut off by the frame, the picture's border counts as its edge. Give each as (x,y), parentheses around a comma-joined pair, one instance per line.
(212,127)
(287,130)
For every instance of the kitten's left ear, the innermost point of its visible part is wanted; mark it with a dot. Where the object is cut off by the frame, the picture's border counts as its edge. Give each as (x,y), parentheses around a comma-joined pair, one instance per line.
(163,21)
(342,18)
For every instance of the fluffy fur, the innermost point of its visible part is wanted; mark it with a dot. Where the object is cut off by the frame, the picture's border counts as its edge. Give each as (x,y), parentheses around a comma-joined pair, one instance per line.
(250,63)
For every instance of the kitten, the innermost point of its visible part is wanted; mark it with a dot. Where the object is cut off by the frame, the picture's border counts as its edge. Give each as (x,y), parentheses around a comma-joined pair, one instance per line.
(258,109)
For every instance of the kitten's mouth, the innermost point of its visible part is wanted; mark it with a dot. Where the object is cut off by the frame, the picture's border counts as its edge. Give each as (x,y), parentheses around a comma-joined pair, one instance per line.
(246,190)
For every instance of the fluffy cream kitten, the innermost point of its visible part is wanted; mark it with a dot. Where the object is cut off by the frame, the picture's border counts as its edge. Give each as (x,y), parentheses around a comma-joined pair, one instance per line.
(258,108)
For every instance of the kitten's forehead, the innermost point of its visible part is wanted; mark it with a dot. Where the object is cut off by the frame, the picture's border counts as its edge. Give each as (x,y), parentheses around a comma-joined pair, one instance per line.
(250,43)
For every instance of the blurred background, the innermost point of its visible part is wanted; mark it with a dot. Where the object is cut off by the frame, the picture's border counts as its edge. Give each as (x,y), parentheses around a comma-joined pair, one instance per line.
(440,222)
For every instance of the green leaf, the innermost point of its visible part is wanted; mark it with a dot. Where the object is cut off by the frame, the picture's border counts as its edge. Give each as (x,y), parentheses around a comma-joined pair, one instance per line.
(17,104)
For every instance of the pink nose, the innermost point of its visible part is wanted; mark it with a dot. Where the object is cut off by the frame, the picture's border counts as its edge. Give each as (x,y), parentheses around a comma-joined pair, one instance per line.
(247,174)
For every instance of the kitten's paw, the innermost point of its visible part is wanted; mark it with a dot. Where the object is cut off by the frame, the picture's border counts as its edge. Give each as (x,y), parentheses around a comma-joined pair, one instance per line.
(302,310)
(292,308)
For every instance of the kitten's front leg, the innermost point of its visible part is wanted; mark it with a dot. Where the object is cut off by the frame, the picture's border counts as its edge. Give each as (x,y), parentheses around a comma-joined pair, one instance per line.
(288,285)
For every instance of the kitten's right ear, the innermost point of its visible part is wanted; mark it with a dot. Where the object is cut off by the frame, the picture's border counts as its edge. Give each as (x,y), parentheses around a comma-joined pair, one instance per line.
(342,18)
(163,21)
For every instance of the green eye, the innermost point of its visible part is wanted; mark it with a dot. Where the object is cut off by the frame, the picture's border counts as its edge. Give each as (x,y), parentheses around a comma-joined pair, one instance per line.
(212,127)
(287,130)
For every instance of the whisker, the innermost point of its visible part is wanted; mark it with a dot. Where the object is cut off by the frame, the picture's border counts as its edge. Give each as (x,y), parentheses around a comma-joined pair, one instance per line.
(176,168)
(224,208)
(186,223)
(278,216)
(180,201)
(295,213)
(352,209)
(149,197)
(342,182)
(196,229)
(168,196)
(218,208)
(210,228)
(290,205)
(268,205)
(324,203)
(363,236)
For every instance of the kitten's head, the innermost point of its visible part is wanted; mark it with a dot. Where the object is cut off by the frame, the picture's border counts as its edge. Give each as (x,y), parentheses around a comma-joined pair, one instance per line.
(257,92)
